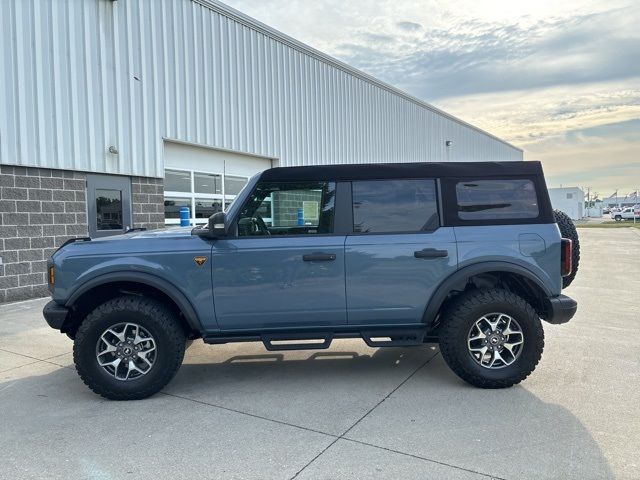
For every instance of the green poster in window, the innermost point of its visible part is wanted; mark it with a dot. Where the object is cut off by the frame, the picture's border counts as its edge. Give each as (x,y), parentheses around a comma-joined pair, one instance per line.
(310,210)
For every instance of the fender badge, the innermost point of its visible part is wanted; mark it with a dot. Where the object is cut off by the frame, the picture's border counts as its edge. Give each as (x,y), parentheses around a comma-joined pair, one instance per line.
(200,260)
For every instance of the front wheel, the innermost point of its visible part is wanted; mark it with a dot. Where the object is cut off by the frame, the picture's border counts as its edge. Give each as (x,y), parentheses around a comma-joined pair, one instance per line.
(491,338)
(129,348)
(618,218)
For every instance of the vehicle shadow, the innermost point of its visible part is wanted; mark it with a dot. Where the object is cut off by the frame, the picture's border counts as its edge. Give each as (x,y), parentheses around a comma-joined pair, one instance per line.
(508,433)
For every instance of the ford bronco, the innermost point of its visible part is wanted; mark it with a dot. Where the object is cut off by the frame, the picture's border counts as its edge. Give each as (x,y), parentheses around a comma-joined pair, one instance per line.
(468,255)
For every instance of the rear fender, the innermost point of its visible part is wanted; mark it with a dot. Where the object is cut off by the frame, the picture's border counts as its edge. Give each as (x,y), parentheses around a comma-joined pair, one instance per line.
(458,281)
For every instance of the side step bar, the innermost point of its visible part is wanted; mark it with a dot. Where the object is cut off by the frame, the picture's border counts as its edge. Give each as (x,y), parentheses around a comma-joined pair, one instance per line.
(309,341)
(322,340)
(405,338)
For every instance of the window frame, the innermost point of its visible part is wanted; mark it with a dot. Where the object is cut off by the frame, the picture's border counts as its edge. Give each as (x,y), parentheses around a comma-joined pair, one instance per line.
(438,209)
(233,229)
(450,201)
(108,182)
(204,194)
(192,196)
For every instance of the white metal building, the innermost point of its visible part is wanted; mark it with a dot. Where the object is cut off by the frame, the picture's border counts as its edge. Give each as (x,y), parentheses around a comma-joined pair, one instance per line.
(569,200)
(130,109)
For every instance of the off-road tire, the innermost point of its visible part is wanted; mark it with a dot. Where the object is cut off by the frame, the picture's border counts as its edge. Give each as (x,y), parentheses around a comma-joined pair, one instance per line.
(457,321)
(568,230)
(152,315)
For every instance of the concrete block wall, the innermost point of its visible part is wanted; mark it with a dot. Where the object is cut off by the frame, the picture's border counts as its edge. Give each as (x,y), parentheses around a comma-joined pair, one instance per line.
(287,203)
(40,209)
(148,202)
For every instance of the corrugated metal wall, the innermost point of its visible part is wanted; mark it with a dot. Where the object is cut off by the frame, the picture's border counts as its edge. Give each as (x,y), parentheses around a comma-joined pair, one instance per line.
(79,76)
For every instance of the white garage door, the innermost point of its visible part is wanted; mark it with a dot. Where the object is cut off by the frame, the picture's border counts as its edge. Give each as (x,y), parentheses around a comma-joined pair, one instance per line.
(203,179)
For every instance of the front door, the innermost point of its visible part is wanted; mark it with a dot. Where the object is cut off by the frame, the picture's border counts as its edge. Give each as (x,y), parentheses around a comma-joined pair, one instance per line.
(285,266)
(109,205)
(398,253)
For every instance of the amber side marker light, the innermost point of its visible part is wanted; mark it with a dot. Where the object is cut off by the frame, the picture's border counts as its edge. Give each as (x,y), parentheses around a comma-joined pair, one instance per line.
(52,275)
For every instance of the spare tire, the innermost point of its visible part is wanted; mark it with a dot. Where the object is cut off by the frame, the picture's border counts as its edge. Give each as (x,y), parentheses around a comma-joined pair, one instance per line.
(568,230)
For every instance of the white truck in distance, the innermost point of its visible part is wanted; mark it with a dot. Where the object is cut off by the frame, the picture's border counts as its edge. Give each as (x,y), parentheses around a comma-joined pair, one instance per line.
(628,213)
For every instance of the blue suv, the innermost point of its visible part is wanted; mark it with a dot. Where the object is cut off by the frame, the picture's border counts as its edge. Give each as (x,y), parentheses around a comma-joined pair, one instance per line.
(469,255)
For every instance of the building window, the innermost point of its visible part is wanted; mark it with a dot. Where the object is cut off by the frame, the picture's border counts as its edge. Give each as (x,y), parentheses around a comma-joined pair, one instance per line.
(394,206)
(172,207)
(207,183)
(207,207)
(176,181)
(497,199)
(108,209)
(569,196)
(233,184)
(204,193)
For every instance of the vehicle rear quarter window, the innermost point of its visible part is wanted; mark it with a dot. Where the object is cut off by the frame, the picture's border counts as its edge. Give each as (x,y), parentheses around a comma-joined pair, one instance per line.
(385,206)
(505,199)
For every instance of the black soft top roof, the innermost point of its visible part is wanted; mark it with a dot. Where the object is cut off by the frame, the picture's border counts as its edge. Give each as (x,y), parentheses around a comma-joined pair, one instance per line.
(402,170)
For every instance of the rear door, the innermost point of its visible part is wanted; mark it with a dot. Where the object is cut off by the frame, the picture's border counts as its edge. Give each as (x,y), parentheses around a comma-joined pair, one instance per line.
(398,253)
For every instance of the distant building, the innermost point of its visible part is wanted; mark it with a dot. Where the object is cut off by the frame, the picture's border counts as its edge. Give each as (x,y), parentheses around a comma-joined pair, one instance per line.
(616,200)
(593,210)
(569,200)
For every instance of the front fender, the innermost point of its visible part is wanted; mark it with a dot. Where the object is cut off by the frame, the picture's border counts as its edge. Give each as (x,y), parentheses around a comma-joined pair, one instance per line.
(144,278)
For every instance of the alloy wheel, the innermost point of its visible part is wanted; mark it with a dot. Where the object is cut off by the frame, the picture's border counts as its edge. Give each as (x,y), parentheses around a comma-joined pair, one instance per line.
(495,340)
(126,351)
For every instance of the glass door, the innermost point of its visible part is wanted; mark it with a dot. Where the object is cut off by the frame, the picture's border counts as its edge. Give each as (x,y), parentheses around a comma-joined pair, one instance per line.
(108,205)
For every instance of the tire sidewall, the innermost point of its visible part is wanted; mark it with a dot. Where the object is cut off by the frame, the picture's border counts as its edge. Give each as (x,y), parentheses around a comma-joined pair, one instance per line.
(85,350)
(529,355)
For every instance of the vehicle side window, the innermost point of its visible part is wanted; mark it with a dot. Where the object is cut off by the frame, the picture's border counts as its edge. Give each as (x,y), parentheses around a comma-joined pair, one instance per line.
(394,206)
(288,208)
(497,199)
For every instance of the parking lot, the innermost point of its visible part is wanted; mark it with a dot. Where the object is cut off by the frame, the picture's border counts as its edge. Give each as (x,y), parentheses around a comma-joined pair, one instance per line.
(238,411)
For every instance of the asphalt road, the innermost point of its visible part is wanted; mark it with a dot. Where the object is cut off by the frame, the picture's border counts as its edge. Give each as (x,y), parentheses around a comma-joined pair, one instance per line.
(238,411)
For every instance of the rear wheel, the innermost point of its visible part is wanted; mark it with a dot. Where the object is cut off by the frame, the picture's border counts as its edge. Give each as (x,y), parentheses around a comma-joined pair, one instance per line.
(129,348)
(568,230)
(491,338)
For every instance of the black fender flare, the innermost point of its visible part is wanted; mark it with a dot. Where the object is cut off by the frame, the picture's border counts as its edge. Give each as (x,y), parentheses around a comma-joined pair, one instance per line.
(458,280)
(165,287)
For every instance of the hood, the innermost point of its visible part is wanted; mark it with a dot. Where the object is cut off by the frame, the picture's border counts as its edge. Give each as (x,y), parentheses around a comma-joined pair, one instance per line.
(172,232)
(138,242)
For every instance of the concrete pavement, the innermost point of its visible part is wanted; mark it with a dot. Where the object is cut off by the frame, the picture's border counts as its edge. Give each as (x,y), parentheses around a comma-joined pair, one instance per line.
(238,411)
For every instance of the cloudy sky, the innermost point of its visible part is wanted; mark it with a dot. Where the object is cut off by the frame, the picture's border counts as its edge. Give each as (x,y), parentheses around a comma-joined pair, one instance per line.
(560,79)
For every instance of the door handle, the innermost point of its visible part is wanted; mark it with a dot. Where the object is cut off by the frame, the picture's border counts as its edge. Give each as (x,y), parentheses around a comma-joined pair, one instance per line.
(319,257)
(430,253)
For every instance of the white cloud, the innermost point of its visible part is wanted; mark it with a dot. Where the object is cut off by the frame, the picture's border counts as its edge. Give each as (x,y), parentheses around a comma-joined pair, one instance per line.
(527,117)
(586,134)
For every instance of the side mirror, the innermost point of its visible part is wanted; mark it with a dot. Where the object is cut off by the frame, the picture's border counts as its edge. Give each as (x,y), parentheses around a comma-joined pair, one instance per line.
(215,228)
(217,225)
